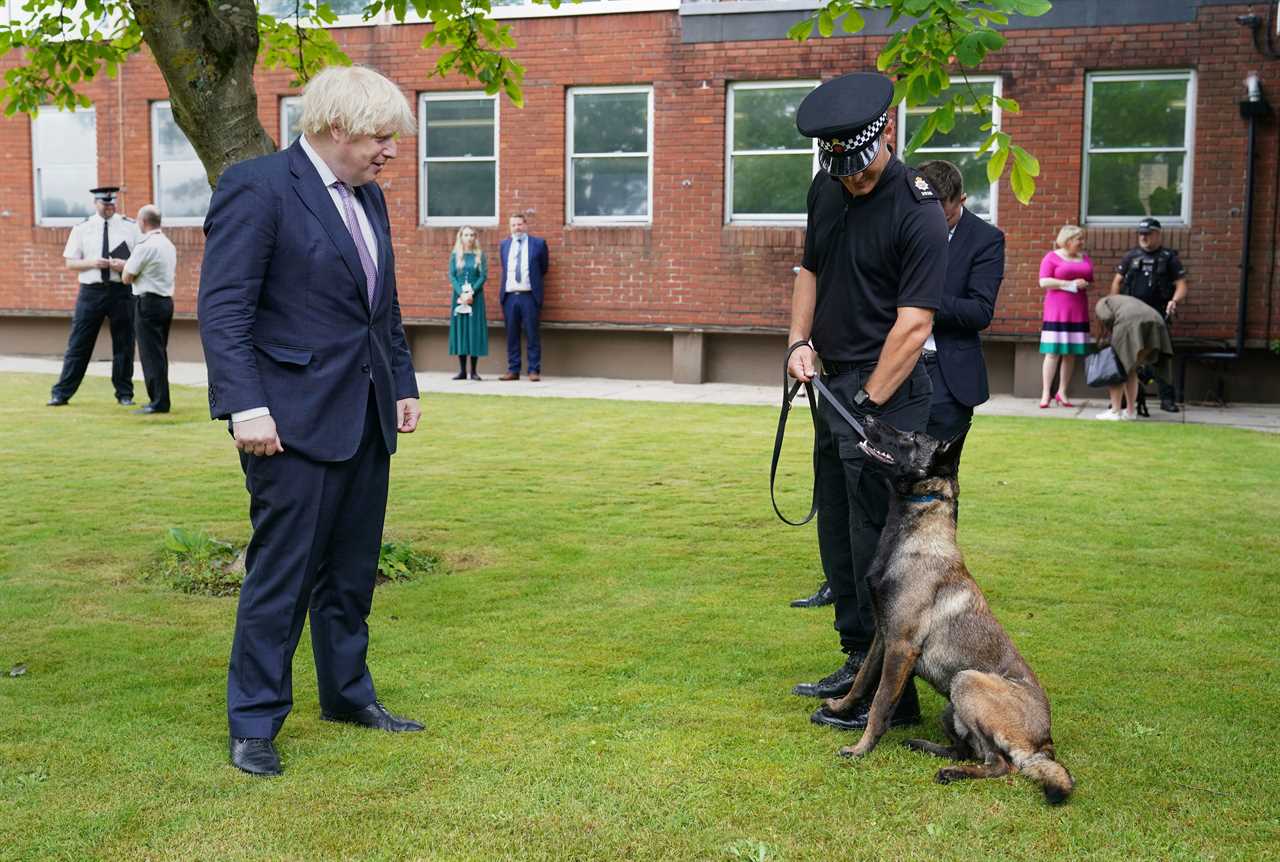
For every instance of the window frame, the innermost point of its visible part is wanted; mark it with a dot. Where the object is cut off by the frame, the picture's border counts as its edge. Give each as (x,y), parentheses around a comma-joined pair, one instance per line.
(170,221)
(569,155)
(458,221)
(41,219)
(997,89)
(284,114)
(1188,144)
(730,217)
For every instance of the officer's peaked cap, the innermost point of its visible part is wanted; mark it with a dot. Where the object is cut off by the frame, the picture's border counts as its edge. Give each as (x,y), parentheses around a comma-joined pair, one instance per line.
(846,115)
(1148,224)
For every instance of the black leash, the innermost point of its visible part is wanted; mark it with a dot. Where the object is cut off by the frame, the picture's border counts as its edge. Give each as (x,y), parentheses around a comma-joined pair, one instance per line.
(789,391)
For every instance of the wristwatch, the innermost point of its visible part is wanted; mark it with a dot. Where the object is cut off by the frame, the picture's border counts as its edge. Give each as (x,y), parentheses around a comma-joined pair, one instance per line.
(863,400)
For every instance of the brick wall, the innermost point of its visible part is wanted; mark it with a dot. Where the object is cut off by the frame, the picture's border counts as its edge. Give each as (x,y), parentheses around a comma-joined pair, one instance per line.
(688,268)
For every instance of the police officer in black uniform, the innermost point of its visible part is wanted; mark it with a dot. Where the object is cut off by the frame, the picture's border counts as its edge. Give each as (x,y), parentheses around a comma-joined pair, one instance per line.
(97,249)
(875,258)
(1155,275)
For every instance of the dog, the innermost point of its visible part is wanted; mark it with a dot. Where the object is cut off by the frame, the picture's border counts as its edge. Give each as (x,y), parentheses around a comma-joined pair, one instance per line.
(933,620)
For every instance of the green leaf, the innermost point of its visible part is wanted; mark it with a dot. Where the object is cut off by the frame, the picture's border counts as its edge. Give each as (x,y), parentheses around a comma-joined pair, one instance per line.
(802,30)
(995,166)
(969,50)
(825,25)
(1025,161)
(991,40)
(853,22)
(1032,8)
(1024,187)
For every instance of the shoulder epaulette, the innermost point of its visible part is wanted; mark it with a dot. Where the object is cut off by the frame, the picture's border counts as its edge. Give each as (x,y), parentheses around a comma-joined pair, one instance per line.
(126,218)
(920,187)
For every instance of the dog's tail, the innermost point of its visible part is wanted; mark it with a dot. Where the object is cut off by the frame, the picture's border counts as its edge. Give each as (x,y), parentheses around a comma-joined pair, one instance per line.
(1052,776)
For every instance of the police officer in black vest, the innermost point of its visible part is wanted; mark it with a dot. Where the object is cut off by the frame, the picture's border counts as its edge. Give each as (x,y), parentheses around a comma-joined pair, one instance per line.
(875,258)
(97,249)
(1155,275)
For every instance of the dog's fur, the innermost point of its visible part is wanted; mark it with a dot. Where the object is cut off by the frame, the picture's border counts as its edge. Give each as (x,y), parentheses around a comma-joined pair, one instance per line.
(933,621)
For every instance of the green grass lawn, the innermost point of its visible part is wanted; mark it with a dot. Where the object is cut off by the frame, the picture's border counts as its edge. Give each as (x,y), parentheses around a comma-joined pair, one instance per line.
(605,670)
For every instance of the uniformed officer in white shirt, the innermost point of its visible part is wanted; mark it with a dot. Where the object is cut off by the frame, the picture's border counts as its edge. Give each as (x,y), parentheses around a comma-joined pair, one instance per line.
(98,248)
(150,272)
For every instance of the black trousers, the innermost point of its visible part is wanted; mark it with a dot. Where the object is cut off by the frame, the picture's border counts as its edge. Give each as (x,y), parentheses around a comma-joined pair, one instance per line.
(317,531)
(95,302)
(853,497)
(152,315)
(947,416)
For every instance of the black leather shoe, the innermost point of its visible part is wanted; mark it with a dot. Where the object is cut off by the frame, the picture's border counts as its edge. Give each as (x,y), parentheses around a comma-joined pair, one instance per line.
(1170,407)
(836,684)
(56,402)
(148,410)
(374,715)
(255,756)
(461,375)
(475,376)
(823,596)
(907,714)
(125,402)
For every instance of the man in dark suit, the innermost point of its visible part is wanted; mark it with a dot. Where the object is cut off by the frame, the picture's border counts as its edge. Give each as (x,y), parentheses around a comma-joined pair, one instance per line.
(975,268)
(524,264)
(308,360)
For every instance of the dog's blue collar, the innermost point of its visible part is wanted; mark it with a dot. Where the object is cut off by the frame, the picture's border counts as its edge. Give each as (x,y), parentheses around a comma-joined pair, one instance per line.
(923,498)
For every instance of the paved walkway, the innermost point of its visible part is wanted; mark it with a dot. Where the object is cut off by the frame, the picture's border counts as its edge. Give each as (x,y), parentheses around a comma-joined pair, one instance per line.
(1259,417)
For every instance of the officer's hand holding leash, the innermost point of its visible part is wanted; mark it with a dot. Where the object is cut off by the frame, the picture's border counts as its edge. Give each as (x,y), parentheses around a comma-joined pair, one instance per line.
(800,363)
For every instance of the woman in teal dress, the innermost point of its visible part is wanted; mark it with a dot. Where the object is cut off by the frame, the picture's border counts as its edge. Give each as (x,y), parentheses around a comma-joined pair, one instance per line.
(468,328)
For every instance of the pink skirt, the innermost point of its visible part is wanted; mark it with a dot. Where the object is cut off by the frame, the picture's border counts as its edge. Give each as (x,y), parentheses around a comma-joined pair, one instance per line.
(1066,323)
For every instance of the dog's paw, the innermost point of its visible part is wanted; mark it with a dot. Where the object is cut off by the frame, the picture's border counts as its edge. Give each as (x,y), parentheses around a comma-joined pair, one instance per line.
(848,751)
(946,776)
(836,706)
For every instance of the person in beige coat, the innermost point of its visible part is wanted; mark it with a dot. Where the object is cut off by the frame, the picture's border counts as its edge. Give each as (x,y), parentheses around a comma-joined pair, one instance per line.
(1139,337)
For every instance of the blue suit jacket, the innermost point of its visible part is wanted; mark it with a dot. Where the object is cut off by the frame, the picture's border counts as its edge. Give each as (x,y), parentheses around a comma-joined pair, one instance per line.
(539,260)
(975,268)
(284,311)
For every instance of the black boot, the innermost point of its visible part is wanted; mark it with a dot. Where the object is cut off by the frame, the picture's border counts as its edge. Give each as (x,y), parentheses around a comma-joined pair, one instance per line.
(462,369)
(906,713)
(823,596)
(837,683)
(474,375)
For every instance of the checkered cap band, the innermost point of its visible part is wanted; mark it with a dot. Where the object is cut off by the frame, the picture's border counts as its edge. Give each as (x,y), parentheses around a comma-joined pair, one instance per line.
(865,136)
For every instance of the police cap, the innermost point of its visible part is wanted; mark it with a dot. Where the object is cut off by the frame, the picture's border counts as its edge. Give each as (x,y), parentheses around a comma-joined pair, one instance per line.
(106,194)
(846,115)
(1148,224)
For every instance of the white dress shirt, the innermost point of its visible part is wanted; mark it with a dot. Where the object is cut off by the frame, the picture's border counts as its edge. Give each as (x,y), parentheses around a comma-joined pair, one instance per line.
(85,243)
(153,264)
(327,177)
(518,261)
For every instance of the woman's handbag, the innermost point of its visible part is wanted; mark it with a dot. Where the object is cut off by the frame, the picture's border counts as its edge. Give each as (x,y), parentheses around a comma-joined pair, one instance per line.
(1103,368)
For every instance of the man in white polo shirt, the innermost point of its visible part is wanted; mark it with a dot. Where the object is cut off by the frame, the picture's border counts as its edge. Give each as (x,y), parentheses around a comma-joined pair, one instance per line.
(150,270)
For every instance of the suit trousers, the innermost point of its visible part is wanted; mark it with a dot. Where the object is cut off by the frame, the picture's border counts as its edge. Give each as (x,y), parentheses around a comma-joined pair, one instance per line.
(317,531)
(853,497)
(96,302)
(152,316)
(521,314)
(947,416)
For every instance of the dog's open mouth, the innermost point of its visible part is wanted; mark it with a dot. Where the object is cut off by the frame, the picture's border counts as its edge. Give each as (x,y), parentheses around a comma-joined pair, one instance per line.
(879,455)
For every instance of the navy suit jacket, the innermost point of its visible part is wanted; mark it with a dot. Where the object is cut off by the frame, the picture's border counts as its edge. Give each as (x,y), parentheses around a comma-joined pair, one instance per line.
(975,268)
(284,312)
(539,260)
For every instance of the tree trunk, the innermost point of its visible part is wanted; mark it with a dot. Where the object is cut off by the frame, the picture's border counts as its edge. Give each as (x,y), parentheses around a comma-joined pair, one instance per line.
(206,50)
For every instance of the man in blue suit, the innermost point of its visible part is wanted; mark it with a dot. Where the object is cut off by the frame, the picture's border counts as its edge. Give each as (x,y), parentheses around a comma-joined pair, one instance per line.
(308,362)
(524,264)
(975,268)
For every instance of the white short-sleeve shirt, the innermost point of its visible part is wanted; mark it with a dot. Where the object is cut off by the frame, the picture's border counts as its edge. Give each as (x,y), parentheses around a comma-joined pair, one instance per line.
(85,243)
(153,264)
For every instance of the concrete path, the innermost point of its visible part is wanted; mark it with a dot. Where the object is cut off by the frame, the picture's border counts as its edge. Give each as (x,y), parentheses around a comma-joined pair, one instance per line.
(1259,417)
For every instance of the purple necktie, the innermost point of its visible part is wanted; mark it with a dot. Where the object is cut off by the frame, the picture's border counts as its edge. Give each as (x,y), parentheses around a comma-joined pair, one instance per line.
(353,225)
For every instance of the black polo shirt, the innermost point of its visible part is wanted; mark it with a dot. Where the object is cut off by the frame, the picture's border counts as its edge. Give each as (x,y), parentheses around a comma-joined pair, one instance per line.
(872,254)
(1150,275)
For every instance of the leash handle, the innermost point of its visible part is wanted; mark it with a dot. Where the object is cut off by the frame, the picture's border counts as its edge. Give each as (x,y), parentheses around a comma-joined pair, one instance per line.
(789,391)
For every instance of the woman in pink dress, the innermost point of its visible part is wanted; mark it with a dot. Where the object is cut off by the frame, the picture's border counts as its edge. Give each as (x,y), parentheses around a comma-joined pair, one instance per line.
(1065,274)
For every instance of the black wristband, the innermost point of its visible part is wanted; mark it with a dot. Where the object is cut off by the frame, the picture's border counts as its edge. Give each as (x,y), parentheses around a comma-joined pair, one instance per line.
(803,343)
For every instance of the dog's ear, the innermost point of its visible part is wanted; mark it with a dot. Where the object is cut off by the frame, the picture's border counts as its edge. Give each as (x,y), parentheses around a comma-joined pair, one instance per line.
(947,455)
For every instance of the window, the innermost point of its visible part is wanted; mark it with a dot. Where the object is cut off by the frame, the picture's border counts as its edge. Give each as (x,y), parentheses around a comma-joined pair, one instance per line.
(64,150)
(960,144)
(1138,130)
(770,163)
(458,145)
(610,171)
(290,118)
(350,12)
(181,182)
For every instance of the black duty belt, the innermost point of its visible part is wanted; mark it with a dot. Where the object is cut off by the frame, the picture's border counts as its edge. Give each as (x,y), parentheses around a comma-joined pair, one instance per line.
(789,391)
